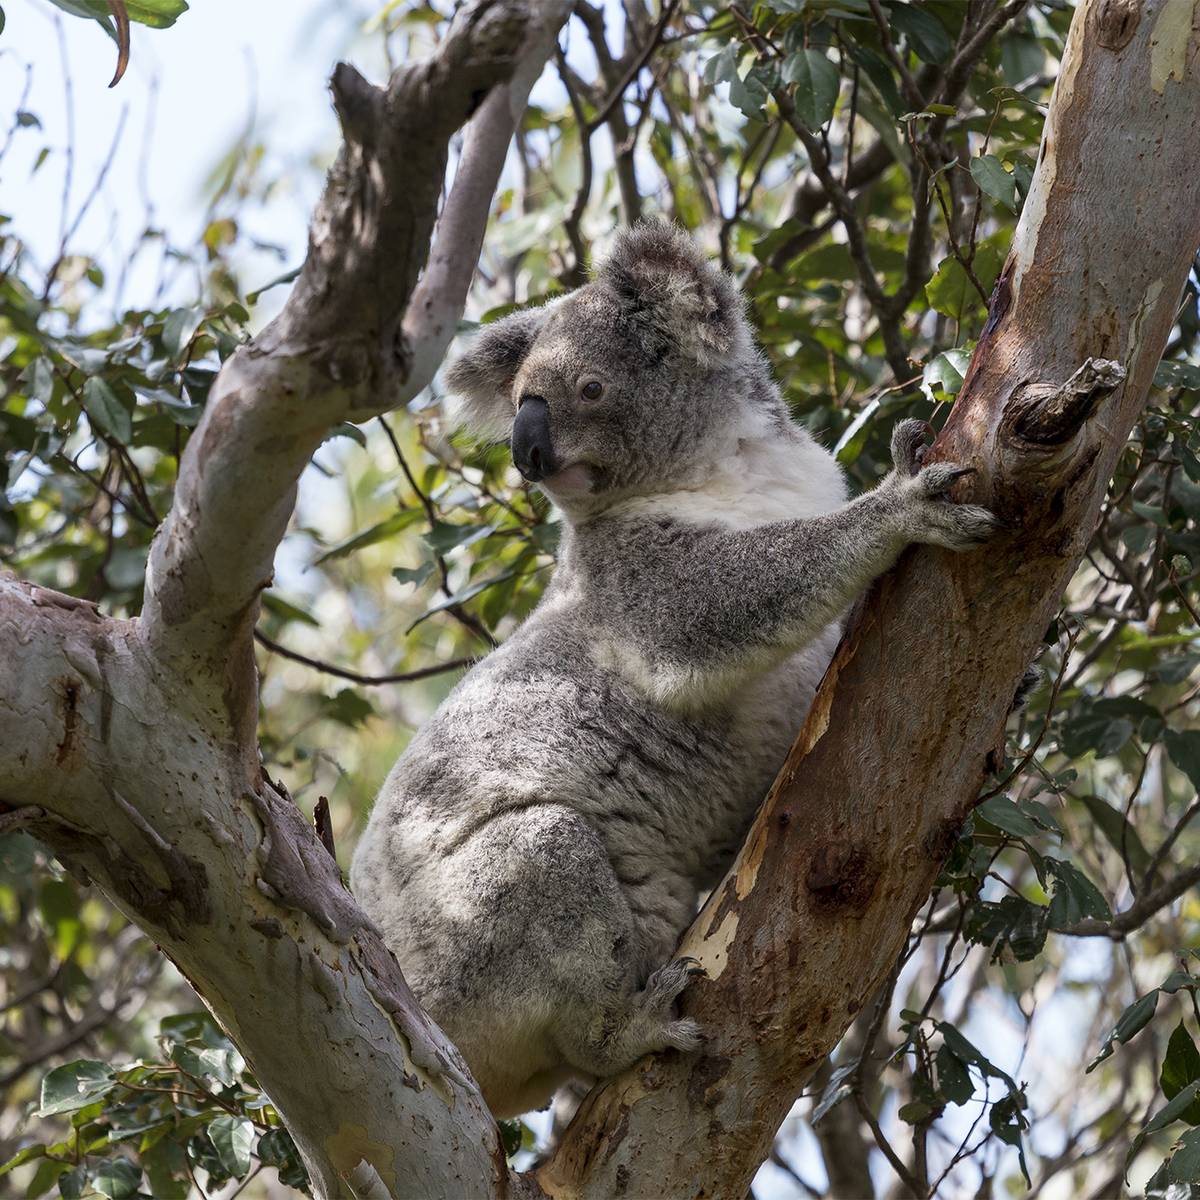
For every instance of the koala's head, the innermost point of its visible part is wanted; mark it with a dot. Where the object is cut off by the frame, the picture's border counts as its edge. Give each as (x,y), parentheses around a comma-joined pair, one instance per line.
(630,384)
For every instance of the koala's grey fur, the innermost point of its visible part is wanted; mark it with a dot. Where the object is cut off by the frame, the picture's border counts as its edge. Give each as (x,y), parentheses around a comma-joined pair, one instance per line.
(538,849)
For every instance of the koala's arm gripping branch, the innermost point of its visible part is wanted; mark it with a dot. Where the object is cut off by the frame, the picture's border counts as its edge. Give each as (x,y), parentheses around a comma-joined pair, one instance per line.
(779,585)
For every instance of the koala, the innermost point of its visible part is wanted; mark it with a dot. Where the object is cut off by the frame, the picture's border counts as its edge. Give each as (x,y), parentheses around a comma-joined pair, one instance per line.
(538,849)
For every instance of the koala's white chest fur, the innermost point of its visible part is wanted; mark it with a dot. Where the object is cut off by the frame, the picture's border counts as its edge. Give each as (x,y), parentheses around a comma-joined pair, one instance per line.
(775,479)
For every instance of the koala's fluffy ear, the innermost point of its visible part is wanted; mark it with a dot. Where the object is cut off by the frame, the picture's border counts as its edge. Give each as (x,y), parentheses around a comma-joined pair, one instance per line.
(675,293)
(480,379)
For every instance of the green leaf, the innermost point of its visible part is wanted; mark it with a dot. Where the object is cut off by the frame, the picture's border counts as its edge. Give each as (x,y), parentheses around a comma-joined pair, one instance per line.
(748,95)
(916,1111)
(945,374)
(1132,1021)
(954,1080)
(72,1185)
(1177,980)
(75,1085)
(158,14)
(116,1178)
(233,1137)
(197,1026)
(51,1172)
(1171,1112)
(379,532)
(1013,923)
(1184,1164)
(413,575)
(461,597)
(722,68)
(1105,725)
(1181,1066)
(37,1150)
(925,33)
(880,75)
(1076,897)
(989,173)
(951,291)
(39,378)
(834,1092)
(349,708)
(166,1166)
(1177,374)
(1119,833)
(817,83)
(106,411)
(1183,745)
(1008,1122)
(287,277)
(222,1064)
(346,430)
(444,537)
(179,329)
(276,1149)
(285,610)
(1005,815)
(968,1052)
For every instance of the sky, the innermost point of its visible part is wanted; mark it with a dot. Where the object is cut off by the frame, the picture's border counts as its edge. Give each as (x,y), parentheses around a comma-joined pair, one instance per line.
(188,94)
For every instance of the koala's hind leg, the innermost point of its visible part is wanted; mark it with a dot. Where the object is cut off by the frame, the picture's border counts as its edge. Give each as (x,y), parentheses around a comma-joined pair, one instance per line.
(542,975)
(635,1023)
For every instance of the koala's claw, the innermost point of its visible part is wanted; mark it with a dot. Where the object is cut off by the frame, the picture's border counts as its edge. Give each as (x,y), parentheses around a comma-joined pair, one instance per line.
(961,526)
(695,968)
(908,446)
(938,479)
(668,981)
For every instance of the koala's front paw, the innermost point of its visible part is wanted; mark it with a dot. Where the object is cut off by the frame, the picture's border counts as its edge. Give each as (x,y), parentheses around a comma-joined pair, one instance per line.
(927,513)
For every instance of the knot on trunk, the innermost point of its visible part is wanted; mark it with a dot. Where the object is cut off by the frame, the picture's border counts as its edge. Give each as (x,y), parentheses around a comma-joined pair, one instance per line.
(1049,416)
(841,876)
(358,104)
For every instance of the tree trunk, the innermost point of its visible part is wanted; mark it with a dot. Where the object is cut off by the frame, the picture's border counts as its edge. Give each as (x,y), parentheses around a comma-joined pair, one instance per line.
(128,746)
(911,715)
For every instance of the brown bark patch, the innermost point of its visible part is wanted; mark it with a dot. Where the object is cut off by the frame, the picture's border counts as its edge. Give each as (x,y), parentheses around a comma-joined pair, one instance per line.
(1116,22)
(842,876)
(68,748)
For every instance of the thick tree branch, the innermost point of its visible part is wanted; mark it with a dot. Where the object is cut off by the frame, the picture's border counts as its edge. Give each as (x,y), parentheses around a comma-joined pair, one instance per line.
(361,332)
(129,747)
(809,920)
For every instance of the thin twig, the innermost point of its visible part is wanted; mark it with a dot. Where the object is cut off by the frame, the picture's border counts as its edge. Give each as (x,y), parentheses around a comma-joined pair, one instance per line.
(357,676)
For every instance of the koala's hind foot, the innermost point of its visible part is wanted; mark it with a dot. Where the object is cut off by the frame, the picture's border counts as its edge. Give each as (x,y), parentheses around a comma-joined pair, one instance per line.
(637,1024)
(926,514)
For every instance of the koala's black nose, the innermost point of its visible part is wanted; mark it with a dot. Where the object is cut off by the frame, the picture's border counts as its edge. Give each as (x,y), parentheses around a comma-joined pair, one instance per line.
(532,451)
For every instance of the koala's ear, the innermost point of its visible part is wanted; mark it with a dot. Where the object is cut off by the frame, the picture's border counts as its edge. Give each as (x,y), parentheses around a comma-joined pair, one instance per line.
(675,293)
(480,379)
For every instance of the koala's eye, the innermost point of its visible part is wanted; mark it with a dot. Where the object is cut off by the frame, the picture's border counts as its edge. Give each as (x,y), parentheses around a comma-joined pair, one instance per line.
(592,390)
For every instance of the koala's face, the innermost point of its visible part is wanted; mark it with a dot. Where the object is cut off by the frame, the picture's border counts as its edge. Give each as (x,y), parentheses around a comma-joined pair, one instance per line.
(622,387)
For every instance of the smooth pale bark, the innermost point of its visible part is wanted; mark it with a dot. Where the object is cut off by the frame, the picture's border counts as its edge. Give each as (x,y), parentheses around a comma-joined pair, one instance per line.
(906,726)
(129,747)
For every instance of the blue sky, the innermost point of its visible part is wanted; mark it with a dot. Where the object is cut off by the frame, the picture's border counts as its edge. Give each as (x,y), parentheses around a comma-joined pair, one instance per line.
(188,93)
